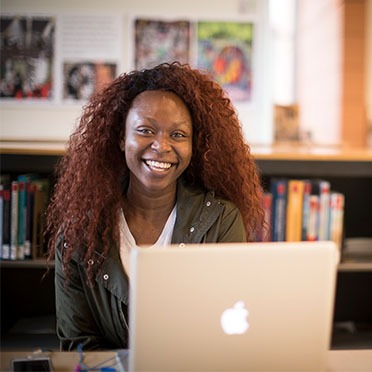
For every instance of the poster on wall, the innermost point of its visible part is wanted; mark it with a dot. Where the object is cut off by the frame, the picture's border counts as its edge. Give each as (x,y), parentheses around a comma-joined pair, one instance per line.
(27,57)
(225,49)
(90,61)
(82,79)
(158,41)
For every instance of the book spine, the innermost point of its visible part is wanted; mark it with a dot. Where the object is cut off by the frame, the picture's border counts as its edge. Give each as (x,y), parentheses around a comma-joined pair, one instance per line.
(324,202)
(312,233)
(1,219)
(279,202)
(6,225)
(306,209)
(21,219)
(29,219)
(294,210)
(14,221)
(337,217)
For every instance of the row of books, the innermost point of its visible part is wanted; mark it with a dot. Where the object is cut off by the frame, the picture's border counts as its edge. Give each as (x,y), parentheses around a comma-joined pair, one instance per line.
(23,201)
(303,210)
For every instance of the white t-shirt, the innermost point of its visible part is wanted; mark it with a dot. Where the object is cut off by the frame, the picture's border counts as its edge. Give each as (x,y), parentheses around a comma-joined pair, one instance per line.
(127,241)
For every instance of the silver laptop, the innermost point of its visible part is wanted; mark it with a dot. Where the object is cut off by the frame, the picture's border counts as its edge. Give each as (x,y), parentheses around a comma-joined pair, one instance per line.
(232,307)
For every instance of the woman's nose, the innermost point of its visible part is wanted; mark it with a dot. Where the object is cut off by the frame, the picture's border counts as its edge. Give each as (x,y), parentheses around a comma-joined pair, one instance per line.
(161,144)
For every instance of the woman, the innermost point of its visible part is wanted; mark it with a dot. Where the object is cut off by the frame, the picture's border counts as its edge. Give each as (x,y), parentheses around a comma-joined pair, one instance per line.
(158,158)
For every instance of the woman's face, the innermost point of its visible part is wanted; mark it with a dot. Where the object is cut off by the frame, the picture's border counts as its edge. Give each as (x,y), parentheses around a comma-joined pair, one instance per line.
(158,140)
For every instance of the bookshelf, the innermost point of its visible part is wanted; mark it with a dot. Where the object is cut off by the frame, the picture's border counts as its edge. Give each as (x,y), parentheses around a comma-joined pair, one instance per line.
(348,169)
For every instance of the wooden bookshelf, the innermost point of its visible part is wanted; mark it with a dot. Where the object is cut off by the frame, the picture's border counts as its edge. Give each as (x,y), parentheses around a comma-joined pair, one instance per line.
(348,169)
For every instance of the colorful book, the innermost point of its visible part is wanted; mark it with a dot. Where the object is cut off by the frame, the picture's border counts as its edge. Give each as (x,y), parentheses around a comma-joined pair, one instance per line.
(278,190)
(336,219)
(306,209)
(322,189)
(313,224)
(294,210)
(24,247)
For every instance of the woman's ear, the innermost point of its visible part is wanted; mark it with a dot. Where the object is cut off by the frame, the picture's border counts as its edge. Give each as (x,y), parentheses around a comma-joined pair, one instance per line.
(122,143)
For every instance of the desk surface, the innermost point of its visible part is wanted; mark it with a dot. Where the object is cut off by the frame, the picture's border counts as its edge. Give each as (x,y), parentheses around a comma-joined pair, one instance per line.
(338,361)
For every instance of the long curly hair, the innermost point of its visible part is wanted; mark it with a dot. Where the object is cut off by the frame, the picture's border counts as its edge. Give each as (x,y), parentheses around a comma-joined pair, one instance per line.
(86,198)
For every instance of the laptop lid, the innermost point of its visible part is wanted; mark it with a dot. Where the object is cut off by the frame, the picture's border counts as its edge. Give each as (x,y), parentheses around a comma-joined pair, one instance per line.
(252,306)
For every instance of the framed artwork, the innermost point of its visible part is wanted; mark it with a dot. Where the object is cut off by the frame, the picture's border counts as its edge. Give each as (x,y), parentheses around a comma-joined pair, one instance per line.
(27,57)
(225,49)
(158,41)
(82,79)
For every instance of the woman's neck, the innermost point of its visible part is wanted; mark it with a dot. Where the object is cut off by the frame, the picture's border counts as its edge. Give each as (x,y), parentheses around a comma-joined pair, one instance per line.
(146,215)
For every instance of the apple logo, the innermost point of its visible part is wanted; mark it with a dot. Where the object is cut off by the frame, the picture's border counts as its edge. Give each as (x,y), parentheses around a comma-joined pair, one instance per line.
(234,319)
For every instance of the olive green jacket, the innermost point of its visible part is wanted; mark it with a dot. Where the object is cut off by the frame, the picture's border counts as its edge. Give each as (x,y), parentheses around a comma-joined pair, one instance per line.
(96,316)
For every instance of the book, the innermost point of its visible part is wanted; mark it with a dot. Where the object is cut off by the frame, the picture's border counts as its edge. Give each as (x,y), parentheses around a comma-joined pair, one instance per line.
(24,246)
(278,190)
(337,204)
(5,251)
(31,187)
(14,221)
(294,210)
(4,216)
(322,188)
(1,218)
(21,218)
(306,209)
(312,227)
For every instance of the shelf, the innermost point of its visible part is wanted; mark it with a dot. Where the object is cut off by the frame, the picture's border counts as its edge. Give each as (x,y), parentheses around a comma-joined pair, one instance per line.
(36,147)
(306,152)
(29,264)
(295,152)
(41,264)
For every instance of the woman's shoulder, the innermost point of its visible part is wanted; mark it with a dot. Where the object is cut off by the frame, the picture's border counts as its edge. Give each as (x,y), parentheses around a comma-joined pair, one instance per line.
(199,194)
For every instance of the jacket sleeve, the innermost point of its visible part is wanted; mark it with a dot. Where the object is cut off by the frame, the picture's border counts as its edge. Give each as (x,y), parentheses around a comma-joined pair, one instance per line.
(75,322)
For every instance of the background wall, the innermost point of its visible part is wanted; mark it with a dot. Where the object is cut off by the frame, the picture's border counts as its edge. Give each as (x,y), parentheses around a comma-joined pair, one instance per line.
(318,79)
(369,71)
(56,121)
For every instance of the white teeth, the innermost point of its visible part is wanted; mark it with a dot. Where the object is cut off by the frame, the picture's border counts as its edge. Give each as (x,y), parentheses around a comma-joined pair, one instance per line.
(158,164)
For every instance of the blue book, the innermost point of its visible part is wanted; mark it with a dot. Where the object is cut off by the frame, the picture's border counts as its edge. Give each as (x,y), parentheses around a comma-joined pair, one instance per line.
(278,190)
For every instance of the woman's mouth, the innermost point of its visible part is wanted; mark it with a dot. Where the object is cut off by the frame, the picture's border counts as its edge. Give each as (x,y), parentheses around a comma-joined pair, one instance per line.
(158,166)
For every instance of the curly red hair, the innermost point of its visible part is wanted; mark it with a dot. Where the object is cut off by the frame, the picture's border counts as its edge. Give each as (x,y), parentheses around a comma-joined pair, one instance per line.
(87,194)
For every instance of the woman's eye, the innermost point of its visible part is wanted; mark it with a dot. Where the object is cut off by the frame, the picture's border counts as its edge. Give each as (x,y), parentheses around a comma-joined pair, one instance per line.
(145,131)
(178,135)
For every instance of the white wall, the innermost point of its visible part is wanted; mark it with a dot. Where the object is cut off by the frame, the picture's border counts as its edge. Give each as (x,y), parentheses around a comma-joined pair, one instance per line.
(319,69)
(56,121)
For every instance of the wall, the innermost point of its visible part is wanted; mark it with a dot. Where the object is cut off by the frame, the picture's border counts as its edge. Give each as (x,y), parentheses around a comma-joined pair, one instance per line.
(56,121)
(334,70)
(368,63)
(319,69)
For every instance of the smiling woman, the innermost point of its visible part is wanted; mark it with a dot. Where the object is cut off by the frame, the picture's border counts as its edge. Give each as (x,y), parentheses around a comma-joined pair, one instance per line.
(158,158)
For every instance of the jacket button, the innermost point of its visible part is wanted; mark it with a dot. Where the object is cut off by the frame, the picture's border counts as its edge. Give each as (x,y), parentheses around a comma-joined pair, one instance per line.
(105,276)
(208,203)
(192,229)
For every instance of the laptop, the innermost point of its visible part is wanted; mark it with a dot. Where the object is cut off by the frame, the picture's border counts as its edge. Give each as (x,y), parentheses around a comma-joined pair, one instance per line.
(232,307)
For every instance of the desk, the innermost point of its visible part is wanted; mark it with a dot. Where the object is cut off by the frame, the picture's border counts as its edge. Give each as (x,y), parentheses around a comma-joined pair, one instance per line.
(339,360)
